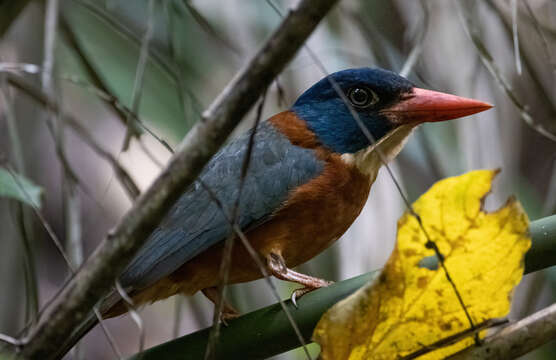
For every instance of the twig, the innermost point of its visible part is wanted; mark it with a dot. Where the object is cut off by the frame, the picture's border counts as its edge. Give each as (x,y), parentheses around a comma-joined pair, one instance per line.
(98,90)
(121,174)
(542,36)
(96,276)
(140,73)
(22,217)
(526,57)
(50,30)
(70,196)
(108,334)
(418,47)
(549,206)
(178,310)
(42,219)
(516,339)
(149,154)
(9,340)
(134,314)
(515,35)
(122,110)
(208,28)
(491,66)
(97,87)
(447,341)
(57,244)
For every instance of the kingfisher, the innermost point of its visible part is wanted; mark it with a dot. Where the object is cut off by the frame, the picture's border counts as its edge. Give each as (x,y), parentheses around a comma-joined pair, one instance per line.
(310,173)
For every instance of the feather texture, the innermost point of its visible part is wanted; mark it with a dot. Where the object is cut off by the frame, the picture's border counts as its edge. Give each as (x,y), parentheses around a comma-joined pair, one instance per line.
(195,222)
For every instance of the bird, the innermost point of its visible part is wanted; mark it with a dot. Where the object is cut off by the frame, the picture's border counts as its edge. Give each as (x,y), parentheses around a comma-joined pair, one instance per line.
(310,173)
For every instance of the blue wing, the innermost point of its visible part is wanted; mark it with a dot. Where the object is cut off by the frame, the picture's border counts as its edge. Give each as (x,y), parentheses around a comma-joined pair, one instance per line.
(195,222)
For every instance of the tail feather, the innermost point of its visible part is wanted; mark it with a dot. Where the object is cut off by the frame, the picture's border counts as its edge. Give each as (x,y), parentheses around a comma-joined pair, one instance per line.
(111,306)
(76,335)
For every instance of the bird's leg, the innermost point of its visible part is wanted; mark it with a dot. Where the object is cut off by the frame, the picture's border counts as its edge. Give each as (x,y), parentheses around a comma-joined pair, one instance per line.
(228,311)
(277,267)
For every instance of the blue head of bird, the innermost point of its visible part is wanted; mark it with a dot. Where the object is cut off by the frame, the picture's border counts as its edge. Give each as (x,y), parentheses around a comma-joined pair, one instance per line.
(382,101)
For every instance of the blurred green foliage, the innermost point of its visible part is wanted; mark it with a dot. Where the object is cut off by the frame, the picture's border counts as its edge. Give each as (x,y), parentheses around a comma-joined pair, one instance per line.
(15,186)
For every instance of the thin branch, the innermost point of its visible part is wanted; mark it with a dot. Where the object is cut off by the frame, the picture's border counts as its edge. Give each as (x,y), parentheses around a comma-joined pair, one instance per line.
(42,219)
(542,36)
(50,30)
(47,101)
(549,205)
(206,26)
(149,153)
(526,56)
(134,314)
(98,90)
(419,42)
(178,310)
(122,110)
(516,339)
(452,339)
(9,340)
(140,73)
(491,66)
(99,272)
(58,245)
(515,36)
(108,334)
(22,217)
(97,87)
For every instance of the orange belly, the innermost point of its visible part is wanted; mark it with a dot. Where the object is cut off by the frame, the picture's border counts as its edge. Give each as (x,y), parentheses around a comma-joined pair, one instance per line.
(314,216)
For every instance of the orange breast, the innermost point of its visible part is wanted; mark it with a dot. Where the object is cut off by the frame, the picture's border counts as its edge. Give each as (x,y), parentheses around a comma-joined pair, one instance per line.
(314,216)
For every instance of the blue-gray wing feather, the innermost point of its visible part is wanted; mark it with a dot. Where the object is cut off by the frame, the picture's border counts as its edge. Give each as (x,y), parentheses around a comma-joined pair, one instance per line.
(195,222)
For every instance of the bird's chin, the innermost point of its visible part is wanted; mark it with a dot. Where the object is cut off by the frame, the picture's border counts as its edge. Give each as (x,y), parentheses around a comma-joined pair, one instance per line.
(369,159)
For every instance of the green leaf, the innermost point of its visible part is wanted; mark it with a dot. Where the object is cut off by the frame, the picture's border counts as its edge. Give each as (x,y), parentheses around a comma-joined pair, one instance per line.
(17,187)
(112,50)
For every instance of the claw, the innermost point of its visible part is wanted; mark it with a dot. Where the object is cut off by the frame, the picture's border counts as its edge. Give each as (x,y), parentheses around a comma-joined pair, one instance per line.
(228,315)
(224,321)
(293,299)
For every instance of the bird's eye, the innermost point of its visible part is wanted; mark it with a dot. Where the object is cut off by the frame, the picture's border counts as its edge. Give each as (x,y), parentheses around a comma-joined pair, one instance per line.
(362,97)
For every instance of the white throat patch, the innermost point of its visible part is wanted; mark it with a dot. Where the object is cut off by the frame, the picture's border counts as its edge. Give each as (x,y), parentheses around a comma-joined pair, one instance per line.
(368,160)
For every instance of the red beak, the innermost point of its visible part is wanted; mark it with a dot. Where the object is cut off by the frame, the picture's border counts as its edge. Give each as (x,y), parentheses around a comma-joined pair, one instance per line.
(431,106)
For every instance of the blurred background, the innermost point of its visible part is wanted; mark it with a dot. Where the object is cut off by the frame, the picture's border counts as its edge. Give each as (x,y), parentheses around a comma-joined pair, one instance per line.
(166,60)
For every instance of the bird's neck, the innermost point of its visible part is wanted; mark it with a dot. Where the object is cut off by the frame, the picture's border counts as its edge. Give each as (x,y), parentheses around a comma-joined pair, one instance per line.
(367,160)
(295,129)
(370,159)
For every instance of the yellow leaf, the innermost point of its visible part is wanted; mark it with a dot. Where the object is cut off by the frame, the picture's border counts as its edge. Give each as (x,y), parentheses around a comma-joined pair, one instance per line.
(410,306)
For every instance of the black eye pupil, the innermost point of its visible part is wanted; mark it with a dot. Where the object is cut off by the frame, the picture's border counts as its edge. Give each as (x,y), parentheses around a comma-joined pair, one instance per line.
(362,97)
(359,96)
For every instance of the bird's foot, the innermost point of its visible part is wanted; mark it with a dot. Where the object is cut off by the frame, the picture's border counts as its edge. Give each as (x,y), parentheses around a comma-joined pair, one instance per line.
(228,313)
(277,267)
